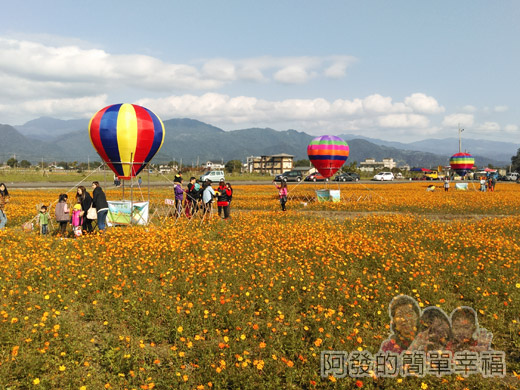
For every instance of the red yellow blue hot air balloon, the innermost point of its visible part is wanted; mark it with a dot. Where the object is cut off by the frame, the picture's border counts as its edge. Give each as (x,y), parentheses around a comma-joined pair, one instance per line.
(328,153)
(462,163)
(126,137)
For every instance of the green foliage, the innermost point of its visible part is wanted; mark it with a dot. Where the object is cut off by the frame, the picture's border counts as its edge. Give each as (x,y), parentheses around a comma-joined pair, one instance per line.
(302,163)
(515,162)
(12,162)
(234,166)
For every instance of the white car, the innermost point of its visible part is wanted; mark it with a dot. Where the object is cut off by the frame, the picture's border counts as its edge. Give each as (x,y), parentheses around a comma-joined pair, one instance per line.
(384,176)
(214,176)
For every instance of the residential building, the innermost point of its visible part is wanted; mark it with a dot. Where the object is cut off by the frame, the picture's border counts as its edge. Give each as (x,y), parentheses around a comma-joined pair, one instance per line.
(370,164)
(274,165)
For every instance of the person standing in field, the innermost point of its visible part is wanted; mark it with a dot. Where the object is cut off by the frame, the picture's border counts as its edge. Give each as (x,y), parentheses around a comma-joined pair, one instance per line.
(4,198)
(62,213)
(77,220)
(179,194)
(446,183)
(99,201)
(84,198)
(191,198)
(483,183)
(223,195)
(282,193)
(43,220)
(208,193)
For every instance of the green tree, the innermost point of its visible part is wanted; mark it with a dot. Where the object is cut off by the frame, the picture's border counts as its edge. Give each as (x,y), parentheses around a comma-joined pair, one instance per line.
(515,162)
(352,167)
(25,164)
(12,162)
(302,163)
(233,166)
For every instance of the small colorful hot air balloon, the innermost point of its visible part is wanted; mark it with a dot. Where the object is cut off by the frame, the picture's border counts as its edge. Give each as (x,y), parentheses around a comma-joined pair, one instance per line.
(462,163)
(126,136)
(328,153)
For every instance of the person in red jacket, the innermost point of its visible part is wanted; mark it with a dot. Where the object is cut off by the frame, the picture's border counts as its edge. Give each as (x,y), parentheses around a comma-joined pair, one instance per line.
(224,194)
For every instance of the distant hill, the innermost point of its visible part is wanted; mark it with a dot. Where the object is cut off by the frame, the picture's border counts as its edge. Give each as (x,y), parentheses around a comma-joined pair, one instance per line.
(494,150)
(45,127)
(192,140)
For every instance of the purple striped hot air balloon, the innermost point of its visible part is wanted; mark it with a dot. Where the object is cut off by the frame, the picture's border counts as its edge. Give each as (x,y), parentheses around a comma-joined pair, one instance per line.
(462,163)
(328,153)
(126,136)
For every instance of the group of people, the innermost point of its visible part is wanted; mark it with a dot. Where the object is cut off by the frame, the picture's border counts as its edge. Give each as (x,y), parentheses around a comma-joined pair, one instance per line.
(433,330)
(200,197)
(488,183)
(85,209)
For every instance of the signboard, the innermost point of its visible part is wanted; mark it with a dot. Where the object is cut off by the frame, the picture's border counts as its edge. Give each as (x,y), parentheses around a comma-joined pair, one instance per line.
(461,186)
(125,213)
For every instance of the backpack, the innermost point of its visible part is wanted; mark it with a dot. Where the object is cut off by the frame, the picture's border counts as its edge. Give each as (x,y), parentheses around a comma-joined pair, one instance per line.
(59,212)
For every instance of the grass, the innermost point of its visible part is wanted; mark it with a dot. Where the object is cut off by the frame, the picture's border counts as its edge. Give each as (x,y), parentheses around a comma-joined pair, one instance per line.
(32,176)
(250,303)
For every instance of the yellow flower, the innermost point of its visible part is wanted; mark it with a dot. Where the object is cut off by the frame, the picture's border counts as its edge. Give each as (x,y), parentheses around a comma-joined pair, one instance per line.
(36,381)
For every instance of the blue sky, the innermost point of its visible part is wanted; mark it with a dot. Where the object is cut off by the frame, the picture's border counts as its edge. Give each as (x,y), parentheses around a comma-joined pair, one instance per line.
(399,70)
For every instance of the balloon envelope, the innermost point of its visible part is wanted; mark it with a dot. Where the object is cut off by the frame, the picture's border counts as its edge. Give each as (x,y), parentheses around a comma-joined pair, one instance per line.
(462,163)
(328,153)
(126,136)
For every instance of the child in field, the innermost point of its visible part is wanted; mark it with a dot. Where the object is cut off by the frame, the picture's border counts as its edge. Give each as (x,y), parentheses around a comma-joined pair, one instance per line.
(465,327)
(446,183)
(483,184)
(62,213)
(282,193)
(43,220)
(77,220)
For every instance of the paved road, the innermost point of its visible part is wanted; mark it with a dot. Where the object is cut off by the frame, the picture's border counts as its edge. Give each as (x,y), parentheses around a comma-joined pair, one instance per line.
(29,185)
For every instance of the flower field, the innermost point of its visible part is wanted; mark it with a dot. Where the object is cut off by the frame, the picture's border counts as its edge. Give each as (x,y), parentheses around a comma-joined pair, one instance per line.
(251,302)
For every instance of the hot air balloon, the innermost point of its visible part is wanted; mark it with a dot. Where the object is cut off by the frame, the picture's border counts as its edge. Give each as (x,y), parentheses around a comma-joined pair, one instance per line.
(126,137)
(462,163)
(328,153)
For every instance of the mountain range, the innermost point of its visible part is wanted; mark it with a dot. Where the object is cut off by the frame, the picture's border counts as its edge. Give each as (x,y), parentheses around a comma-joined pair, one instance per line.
(53,139)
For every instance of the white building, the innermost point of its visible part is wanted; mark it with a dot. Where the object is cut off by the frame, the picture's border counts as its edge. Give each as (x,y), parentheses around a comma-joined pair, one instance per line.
(211,166)
(370,164)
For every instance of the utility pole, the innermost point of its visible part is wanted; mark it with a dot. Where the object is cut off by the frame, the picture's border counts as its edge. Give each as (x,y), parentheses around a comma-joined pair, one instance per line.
(460,141)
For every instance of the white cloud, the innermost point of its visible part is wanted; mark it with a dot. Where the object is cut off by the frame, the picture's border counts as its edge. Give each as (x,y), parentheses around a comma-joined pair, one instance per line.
(403,121)
(469,108)
(489,126)
(292,75)
(68,108)
(419,102)
(511,128)
(377,104)
(455,120)
(501,108)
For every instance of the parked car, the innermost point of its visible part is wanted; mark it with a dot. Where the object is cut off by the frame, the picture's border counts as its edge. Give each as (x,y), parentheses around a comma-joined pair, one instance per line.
(289,176)
(347,176)
(384,176)
(316,176)
(214,176)
(513,176)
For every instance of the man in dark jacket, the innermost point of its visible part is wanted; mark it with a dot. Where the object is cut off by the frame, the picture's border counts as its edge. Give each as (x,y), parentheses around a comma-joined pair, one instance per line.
(99,201)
